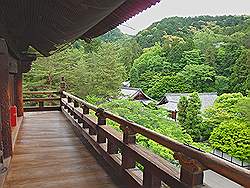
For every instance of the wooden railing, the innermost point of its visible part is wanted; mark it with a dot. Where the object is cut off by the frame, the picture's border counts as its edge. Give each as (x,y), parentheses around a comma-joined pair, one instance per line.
(121,151)
(38,101)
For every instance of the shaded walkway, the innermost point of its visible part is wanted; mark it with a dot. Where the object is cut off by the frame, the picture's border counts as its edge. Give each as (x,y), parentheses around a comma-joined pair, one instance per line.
(48,154)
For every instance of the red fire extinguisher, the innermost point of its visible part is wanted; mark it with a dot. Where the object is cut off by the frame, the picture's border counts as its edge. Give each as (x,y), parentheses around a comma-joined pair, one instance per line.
(13,116)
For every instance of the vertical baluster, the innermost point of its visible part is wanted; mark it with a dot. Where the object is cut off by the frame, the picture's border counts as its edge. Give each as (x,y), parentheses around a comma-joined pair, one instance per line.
(62,89)
(191,170)
(41,104)
(69,108)
(69,99)
(76,105)
(80,120)
(85,110)
(112,147)
(149,180)
(101,121)
(129,137)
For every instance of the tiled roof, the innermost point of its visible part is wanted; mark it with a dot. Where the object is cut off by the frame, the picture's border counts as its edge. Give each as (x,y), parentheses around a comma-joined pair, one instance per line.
(129,92)
(133,93)
(207,99)
(127,10)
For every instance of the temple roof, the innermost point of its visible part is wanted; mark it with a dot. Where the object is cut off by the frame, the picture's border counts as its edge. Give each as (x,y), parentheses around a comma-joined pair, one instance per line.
(48,24)
(170,100)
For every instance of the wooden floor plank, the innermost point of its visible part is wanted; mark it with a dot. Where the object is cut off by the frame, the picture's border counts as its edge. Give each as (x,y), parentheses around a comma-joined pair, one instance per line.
(49,155)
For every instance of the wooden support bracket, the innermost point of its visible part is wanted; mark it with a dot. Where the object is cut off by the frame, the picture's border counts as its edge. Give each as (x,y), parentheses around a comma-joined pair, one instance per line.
(191,170)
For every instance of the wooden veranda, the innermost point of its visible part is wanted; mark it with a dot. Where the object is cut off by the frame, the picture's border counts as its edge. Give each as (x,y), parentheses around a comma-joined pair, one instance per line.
(71,144)
(47,153)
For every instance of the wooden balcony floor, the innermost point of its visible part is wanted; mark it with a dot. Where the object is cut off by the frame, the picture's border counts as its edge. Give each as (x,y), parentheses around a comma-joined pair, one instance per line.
(49,155)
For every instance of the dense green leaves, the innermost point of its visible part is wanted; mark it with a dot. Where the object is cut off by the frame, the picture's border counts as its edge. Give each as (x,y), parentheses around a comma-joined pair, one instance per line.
(232,137)
(182,109)
(198,78)
(228,124)
(203,54)
(240,77)
(100,74)
(199,54)
(154,119)
(190,115)
(88,70)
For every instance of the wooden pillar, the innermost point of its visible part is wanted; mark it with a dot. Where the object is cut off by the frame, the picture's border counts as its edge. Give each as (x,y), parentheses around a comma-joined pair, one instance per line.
(129,137)
(191,170)
(5,100)
(19,90)
(101,121)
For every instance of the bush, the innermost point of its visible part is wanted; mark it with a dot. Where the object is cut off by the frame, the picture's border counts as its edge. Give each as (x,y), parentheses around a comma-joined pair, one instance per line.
(232,137)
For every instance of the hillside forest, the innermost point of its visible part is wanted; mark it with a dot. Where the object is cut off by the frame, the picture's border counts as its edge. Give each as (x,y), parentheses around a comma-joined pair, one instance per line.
(175,55)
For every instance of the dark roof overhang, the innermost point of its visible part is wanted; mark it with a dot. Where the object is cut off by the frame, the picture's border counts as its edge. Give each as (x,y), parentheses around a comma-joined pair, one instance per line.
(48,24)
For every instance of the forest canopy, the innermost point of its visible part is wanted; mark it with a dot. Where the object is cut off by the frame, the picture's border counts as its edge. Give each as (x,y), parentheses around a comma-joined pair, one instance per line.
(176,54)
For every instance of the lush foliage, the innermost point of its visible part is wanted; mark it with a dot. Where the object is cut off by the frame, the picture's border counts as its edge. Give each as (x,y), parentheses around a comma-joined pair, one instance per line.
(200,54)
(232,137)
(182,110)
(190,115)
(154,119)
(228,124)
(88,70)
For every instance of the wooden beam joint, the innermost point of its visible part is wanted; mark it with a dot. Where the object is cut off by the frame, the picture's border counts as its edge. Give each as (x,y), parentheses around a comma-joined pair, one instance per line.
(191,170)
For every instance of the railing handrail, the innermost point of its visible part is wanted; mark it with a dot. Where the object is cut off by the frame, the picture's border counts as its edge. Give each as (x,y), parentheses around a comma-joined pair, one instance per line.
(233,172)
(90,106)
(41,99)
(40,92)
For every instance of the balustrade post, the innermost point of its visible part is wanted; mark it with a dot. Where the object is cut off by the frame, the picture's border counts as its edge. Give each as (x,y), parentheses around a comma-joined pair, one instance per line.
(76,105)
(85,110)
(70,101)
(129,137)
(101,121)
(41,104)
(191,170)
(112,147)
(149,179)
(62,89)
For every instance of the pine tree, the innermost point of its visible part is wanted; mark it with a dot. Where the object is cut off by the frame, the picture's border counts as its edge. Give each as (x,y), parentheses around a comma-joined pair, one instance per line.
(193,116)
(182,110)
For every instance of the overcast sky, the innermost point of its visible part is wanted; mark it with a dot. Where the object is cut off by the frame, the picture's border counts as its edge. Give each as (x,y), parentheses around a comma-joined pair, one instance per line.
(169,8)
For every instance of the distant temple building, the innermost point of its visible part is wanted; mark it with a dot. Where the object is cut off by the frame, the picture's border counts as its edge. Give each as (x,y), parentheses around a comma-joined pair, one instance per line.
(135,94)
(170,101)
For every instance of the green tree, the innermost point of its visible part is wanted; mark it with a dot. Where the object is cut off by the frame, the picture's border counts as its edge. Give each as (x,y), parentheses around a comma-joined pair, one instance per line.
(166,84)
(240,80)
(193,116)
(150,64)
(222,84)
(100,74)
(182,110)
(128,51)
(113,36)
(47,72)
(200,78)
(225,108)
(173,49)
(192,57)
(233,138)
